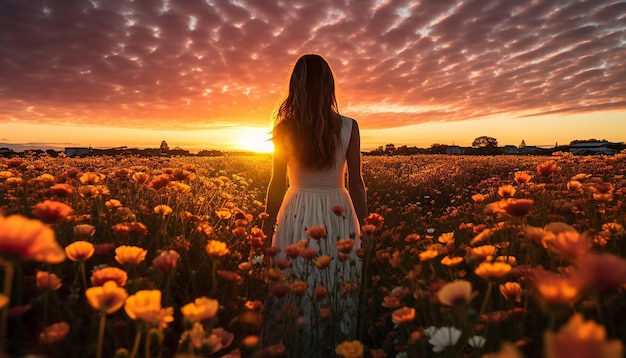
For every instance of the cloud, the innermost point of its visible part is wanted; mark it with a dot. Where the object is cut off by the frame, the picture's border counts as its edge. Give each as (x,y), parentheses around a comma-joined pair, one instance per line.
(187,64)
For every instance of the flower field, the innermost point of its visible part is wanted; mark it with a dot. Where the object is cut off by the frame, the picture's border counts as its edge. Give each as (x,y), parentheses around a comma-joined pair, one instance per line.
(507,256)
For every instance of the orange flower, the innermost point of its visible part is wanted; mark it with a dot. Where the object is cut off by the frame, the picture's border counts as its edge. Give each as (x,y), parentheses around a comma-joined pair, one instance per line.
(403,315)
(338,210)
(91,178)
(492,270)
(322,262)
(130,255)
(580,338)
(345,245)
(485,252)
(161,181)
(223,214)
(320,292)
(100,276)
(52,212)
(506,191)
(451,261)
(107,298)
(574,185)
(555,289)
(350,349)
(62,189)
(27,239)
(217,248)
(229,276)
(455,293)
(299,287)
(546,169)
(162,210)
(522,177)
(482,236)
(113,204)
(141,177)
(202,309)
(429,254)
(48,281)
(84,231)
(518,207)
(145,305)
(446,237)
(54,333)
(375,219)
(79,251)
(316,232)
(511,291)
(478,198)
(569,244)
(166,261)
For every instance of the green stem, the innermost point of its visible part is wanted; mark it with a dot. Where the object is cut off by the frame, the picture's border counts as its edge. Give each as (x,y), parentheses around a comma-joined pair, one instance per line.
(103,317)
(486,299)
(82,274)
(133,353)
(8,284)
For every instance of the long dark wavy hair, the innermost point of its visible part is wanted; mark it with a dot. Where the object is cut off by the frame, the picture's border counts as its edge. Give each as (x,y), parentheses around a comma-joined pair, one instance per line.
(309,117)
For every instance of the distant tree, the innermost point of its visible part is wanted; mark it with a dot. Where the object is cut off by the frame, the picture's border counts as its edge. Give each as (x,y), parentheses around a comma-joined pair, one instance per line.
(486,145)
(438,148)
(576,141)
(522,144)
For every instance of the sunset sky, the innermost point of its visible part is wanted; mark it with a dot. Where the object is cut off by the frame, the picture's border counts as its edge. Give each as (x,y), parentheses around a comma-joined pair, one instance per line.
(208,74)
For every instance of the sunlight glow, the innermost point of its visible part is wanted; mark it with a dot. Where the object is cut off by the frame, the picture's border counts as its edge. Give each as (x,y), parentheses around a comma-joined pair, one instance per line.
(255,139)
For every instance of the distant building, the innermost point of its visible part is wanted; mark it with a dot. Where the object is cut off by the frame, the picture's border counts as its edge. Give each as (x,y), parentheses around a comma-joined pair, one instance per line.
(510,149)
(454,149)
(594,148)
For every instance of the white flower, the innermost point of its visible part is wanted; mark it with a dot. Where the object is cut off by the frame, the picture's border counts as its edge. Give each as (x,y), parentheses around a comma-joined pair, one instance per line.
(402,355)
(444,337)
(477,341)
(430,230)
(257,260)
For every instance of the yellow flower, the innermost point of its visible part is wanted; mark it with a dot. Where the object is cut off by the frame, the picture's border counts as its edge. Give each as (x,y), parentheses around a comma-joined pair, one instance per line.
(506,191)
(511,291)
(27,239)
(451,261)
(202,309)
(403,315)
(492,270)
(91,178)
(580,338)
(163,210)
(223,214)
(113,204)
(145,305)
(455,293)
(130,255)
(555,289)
(350,349)
(79,251)
(522,177)
(101,276)
(84,231)
(322,262)
(107,298)
(446,237)
(217,248)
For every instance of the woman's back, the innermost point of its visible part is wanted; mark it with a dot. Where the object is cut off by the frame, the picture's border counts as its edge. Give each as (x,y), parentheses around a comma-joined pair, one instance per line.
(301,177)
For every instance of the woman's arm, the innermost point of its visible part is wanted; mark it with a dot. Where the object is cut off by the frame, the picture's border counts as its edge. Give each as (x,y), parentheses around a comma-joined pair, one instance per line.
(356,186)
(275,190)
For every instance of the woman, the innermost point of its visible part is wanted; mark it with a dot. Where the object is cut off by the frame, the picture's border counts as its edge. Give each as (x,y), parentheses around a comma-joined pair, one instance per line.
(310,211)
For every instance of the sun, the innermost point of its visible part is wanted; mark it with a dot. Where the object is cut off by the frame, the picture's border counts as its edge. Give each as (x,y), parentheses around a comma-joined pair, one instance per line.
(254,139)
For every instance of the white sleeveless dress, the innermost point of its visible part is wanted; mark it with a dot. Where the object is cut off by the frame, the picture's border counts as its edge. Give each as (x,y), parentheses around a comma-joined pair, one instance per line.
(309,202)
